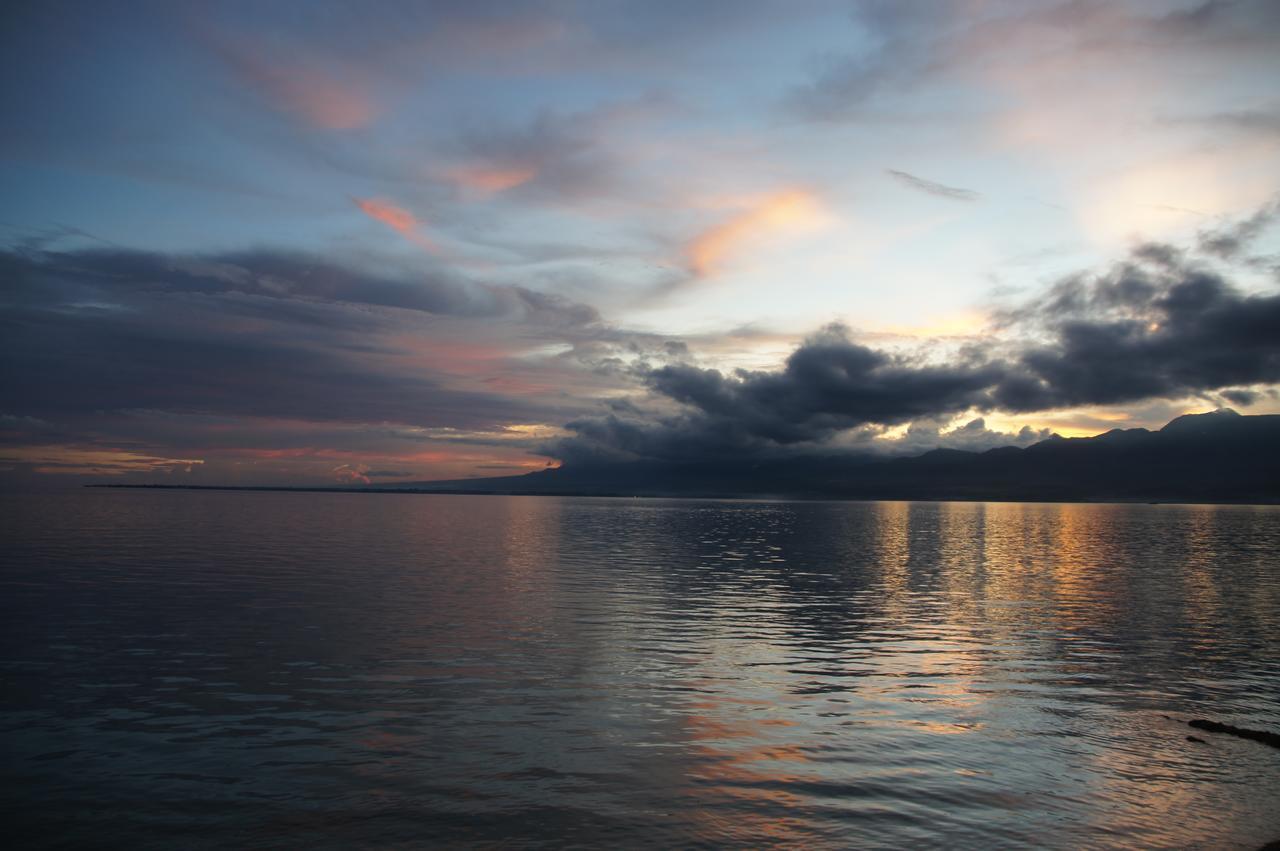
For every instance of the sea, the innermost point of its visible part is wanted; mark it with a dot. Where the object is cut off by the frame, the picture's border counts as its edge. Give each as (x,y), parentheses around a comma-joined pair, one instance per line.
(206,669)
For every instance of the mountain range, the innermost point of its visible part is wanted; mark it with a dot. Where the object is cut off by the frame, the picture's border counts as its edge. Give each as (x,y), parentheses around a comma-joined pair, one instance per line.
(1221,456)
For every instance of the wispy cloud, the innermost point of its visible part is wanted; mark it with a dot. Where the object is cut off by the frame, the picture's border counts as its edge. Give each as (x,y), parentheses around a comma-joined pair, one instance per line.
(99,461)
(787,211)
(483,181)
(557,156)
(351,474)
(399,220)
(317,92)
(929,187)
(1229,241)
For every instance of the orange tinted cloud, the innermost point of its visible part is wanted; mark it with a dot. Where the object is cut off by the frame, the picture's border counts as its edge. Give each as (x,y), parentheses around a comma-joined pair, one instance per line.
(492,180)
(104,461)
(788,211)
(398,219)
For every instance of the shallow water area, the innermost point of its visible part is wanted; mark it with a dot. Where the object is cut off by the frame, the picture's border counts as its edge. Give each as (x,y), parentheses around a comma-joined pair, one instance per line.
(217,669)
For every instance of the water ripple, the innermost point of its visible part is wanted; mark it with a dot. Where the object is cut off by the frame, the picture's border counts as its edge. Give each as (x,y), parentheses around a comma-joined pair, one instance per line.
(258,670)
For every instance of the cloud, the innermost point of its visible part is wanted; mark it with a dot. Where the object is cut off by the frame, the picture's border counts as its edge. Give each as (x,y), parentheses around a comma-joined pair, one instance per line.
(828,385)
(1022,46)
(320,93)
(553,155)
(904,42)
(1261,121)
(1230,241)
(556,156)
(350,475)
(288,285)
(1137,333)
(1154,326)
(936,189)
(61,459)
(782,212)
(972,436)
(274,335)
(276,366)
(1242,397)
(484,181)
(398,219)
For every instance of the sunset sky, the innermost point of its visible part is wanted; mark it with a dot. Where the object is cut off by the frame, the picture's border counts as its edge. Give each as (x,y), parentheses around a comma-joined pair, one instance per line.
(313,242)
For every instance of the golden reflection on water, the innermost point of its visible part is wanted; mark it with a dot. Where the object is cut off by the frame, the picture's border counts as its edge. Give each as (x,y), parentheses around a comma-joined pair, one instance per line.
(976,618)
(889,555)
(742,769)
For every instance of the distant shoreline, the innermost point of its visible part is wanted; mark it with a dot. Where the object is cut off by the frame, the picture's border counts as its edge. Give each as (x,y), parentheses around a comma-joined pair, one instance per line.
(722,496)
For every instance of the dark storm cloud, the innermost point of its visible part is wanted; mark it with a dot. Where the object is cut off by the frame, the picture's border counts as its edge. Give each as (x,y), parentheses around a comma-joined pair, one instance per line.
(1152,327)
(1244,398)
(931,188)
(69,363)
(828,384)
(973,436)
(1138,333)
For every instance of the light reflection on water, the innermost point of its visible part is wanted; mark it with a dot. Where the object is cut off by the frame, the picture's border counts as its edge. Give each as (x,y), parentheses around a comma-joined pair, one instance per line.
(265,669)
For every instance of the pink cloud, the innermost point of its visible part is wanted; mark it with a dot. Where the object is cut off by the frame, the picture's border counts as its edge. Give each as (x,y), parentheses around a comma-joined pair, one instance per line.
(348,474)
(398,219)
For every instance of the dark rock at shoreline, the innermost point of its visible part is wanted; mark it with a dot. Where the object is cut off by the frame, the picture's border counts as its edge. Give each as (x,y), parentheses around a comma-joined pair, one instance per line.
(1263,736)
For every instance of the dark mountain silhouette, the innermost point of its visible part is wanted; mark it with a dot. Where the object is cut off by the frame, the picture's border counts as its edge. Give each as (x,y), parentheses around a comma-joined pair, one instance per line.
(1215,457)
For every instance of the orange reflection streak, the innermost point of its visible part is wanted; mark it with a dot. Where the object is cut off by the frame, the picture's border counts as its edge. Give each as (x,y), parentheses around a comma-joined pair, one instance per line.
(738,757)
(892,547)
(787,211)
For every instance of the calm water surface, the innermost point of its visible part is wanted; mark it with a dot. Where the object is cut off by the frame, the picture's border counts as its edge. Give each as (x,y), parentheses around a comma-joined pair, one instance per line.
(256,670)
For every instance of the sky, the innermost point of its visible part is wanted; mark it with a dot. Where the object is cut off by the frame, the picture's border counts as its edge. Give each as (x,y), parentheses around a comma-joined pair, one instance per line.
(364,243)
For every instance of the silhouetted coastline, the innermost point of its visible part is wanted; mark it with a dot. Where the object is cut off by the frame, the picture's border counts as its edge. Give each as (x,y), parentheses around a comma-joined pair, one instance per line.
(1217,458)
